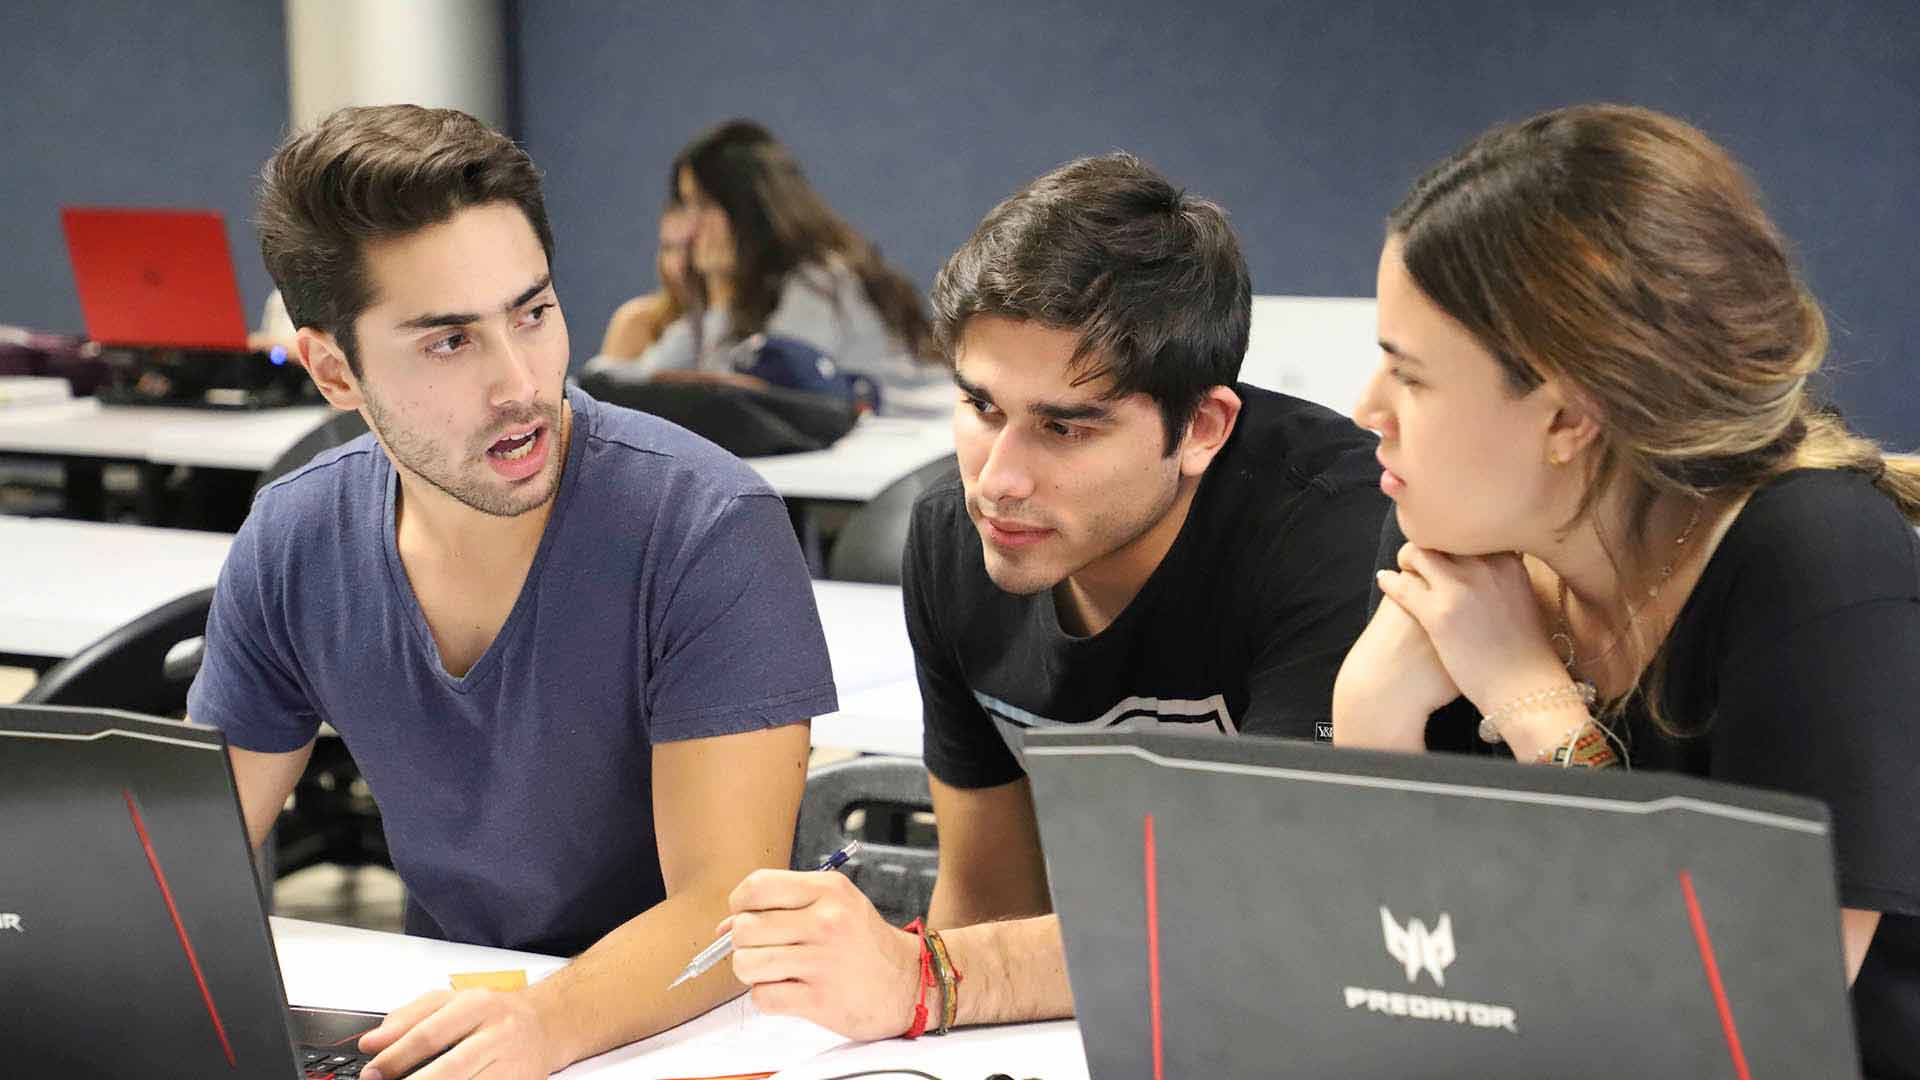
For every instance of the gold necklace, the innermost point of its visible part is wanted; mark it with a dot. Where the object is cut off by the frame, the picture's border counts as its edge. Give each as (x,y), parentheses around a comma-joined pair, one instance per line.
(1564,639)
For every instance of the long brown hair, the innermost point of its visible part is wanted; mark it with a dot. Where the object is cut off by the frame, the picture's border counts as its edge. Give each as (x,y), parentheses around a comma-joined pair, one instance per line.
(1625,254)
(780,224)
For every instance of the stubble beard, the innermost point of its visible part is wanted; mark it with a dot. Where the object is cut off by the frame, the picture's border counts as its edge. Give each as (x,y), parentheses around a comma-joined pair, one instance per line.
(1107,530)
(419,455)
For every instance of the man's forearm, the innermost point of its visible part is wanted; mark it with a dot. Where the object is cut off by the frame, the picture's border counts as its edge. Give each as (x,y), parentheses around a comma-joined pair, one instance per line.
(992,907)
(1013,971)
(616,991)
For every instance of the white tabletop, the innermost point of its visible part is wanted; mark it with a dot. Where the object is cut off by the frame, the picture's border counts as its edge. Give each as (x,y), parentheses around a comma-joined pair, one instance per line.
(880,719)
(873,671)
(231,440)
(341,967)
(875,453)
(63,584)
(878,451)
(866,630)
(28,391)
(165,435)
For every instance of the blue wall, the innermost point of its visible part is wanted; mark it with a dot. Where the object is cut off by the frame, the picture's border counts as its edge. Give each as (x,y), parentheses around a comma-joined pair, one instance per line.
(1306,120)
(130,103)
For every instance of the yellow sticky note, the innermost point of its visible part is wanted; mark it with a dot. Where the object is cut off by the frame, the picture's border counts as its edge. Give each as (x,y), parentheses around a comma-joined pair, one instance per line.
(488,980)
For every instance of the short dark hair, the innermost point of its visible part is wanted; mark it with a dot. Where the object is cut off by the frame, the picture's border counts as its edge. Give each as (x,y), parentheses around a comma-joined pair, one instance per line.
(377,173)
(1151,277)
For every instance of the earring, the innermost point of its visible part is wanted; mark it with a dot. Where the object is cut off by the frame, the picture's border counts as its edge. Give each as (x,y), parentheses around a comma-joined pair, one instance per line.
(1554,458)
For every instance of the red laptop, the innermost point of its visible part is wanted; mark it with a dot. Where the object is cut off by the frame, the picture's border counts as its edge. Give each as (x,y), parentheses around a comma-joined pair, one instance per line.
(155,278)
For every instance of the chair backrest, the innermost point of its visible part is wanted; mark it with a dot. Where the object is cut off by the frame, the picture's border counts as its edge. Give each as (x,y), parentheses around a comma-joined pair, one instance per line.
(743,422)
(896,876)
(129,668)
(337,430)
(874,538)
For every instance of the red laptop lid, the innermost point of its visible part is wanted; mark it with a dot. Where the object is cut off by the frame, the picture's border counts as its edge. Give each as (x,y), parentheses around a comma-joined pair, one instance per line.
(155,278)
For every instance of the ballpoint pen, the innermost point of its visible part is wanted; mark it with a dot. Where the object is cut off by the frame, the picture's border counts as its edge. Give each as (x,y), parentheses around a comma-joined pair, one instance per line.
(723,945)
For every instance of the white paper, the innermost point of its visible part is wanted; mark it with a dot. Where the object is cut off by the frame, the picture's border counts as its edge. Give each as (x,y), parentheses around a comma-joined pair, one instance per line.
(733,1039)
(1049,1051)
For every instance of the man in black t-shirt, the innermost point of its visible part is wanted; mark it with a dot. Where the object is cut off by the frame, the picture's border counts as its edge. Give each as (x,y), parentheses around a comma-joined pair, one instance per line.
(1235,624)
(1131,538)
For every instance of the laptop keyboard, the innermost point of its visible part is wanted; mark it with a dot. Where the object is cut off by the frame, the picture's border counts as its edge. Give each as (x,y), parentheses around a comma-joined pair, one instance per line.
(324,1063)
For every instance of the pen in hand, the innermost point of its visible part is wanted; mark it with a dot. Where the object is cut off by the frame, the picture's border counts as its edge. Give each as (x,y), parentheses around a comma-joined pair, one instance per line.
(723,946)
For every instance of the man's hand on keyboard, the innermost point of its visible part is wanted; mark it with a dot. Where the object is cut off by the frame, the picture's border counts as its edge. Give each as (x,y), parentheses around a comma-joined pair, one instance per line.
(498,1032)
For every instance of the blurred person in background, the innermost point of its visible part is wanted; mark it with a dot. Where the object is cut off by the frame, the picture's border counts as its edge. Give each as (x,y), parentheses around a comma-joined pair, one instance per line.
(639,322)
(770,259)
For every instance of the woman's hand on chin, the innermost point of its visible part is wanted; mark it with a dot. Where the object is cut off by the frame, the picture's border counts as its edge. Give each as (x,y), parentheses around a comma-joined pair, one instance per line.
(1388,684)
(1482,618)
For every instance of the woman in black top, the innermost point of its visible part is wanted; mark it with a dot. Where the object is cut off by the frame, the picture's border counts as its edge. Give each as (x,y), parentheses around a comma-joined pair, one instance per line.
(1624,533)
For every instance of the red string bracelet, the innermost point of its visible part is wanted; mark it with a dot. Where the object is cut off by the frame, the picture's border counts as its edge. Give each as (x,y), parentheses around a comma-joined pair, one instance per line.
(919,1026)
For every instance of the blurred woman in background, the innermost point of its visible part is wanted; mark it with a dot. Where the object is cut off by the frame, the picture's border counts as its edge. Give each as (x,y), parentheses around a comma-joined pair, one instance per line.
(639,322)
(769,259)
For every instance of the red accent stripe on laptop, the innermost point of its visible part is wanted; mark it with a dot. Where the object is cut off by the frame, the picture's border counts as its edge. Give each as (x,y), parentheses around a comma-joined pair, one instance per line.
(1153,953)
(1713,976)
(179,927)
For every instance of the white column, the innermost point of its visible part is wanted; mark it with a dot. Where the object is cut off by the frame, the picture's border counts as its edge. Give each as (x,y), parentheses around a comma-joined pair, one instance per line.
(438,53)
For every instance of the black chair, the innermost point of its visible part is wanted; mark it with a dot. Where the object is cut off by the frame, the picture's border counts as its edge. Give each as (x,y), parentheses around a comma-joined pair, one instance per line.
(898,856)
(874,539)
(745,423)
(145,666)
(337,430)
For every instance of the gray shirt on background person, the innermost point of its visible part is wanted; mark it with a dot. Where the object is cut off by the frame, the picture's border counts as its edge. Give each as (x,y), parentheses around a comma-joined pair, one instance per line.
(825,306)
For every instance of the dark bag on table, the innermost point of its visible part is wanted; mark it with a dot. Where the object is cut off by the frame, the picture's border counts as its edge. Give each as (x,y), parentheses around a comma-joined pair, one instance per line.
(808,405)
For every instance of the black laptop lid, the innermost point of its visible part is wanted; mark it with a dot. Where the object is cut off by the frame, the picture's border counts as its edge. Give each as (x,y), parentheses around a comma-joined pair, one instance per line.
(1320,912)
(132,940)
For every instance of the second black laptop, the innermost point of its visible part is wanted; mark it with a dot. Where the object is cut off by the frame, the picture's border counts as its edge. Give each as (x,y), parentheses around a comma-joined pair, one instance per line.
(1257,907)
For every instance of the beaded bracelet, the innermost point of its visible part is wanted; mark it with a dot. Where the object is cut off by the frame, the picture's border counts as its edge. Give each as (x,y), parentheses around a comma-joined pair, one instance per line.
(1582,692)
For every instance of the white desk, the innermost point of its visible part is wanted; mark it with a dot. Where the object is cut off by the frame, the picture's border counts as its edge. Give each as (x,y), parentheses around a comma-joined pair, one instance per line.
(33,391)
(872,671)
(866,630)
(855,469)
(881,719)
(878,451)
(157,434)
(344,968)
(250,441)
(64,584)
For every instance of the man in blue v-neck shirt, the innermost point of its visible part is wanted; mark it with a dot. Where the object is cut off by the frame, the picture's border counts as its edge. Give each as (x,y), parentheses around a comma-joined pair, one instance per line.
(572,647)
